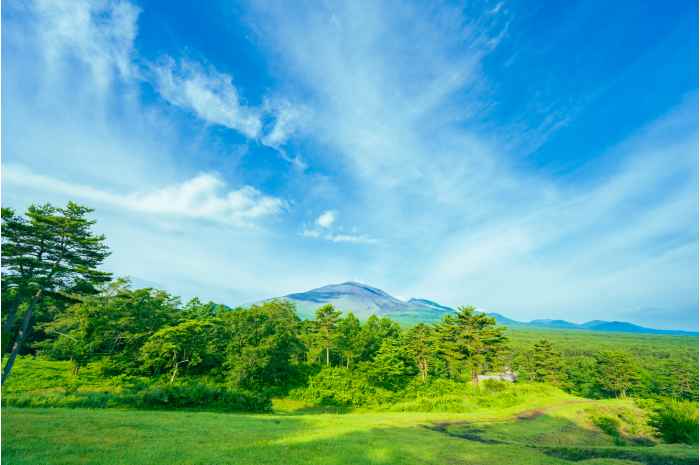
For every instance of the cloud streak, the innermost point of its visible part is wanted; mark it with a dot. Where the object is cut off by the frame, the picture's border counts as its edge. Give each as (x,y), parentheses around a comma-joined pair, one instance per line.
(203,197)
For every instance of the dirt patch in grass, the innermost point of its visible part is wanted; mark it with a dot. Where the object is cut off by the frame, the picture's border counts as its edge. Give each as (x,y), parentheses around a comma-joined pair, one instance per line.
(466,431)
(530,414)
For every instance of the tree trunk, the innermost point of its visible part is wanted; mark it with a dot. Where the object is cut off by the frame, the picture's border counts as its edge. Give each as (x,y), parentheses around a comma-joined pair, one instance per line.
(11,315)
(328,356)
(21,336)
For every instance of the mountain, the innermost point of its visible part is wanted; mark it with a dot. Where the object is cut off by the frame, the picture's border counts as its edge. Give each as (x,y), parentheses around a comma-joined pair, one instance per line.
(364,300)
(555,324)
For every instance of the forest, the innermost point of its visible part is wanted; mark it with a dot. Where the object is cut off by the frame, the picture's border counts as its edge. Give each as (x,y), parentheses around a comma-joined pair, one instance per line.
(144,348)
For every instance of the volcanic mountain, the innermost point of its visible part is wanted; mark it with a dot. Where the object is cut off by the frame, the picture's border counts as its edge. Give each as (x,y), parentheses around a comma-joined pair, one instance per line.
(364,300)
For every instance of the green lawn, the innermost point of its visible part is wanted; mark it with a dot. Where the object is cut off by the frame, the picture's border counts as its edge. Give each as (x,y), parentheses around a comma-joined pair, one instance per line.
(558,432)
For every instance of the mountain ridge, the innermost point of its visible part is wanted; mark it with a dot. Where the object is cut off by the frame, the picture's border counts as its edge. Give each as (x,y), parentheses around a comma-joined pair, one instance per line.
(365,300)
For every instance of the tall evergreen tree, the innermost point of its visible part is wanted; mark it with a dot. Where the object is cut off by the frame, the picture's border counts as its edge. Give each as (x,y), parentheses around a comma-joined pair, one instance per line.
(374,331)
(49,251)
(349,342)
(420,344)
(546,363)
(471,341)
(327,321)
(617,373)
(390,368)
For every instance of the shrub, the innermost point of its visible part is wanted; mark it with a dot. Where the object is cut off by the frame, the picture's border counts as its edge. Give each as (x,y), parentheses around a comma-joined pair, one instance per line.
(676,421)
(161,396)
(199,396)
(338,386)
(492,385)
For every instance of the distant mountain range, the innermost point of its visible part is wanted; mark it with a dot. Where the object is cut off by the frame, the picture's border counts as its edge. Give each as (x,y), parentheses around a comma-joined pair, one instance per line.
(364,300)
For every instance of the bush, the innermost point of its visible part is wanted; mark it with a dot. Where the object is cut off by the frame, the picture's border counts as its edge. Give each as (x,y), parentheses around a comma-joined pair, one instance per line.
(164,396)
(676,421)
(341,387)
(199,396)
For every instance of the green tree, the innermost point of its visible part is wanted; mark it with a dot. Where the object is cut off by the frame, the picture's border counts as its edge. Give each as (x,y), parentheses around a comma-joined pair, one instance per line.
(390,369)
(326,323)
(617,373)
(447,346)
(471,341)
(546,363)
(374,331)
(49,251)
(264,345)
(349,342)
(115,323)
(194,346)
(420,343)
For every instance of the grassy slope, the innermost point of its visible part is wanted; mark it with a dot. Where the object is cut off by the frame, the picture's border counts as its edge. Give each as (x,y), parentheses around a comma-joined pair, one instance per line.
(559,428)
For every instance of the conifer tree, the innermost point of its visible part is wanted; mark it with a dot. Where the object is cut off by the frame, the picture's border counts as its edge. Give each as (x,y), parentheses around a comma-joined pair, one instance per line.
(327,321)
(49,251)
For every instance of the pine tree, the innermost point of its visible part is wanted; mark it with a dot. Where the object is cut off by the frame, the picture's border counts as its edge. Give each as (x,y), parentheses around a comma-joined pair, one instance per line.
(51,251)
(471,341)
(349,342)
(546,363)
(617,373)
(327,320)
(421,345)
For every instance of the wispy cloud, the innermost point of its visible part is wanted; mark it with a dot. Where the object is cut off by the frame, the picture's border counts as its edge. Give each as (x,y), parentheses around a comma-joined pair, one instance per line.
(203,197)
(99,34)
(209,94)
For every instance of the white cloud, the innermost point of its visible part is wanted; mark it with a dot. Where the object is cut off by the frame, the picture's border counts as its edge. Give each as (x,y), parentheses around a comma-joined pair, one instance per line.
(203,197)
(351,238)
(324,229)
(99,34)
(208,93)
(326,219)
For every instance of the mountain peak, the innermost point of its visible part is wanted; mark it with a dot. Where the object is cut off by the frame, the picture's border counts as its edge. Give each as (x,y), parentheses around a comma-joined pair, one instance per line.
(364,300)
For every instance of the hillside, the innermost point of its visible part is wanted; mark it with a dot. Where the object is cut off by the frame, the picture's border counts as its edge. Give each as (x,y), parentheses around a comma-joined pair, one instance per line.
(364,300)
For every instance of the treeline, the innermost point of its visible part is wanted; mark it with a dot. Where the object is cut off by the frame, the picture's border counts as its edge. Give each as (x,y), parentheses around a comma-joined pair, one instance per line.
(56,302)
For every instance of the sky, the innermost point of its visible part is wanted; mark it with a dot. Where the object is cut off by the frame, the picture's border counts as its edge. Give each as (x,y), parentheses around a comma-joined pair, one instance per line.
(535,160)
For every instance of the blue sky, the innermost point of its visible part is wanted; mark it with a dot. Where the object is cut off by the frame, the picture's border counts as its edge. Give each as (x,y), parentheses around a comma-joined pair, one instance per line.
(533,160)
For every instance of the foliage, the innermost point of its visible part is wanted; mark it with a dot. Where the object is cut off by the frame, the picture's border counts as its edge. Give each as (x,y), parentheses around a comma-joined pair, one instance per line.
(49,252)
(348,340)
(617,373)
(390,368)
(340,386)
(193,346)
(117,322)
(264,347)
(420,343)
(676,421)
(197,395)
(326,321)
(470,343)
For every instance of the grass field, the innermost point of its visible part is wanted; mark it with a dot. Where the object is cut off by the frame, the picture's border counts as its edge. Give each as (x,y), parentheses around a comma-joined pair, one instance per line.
(560,430)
